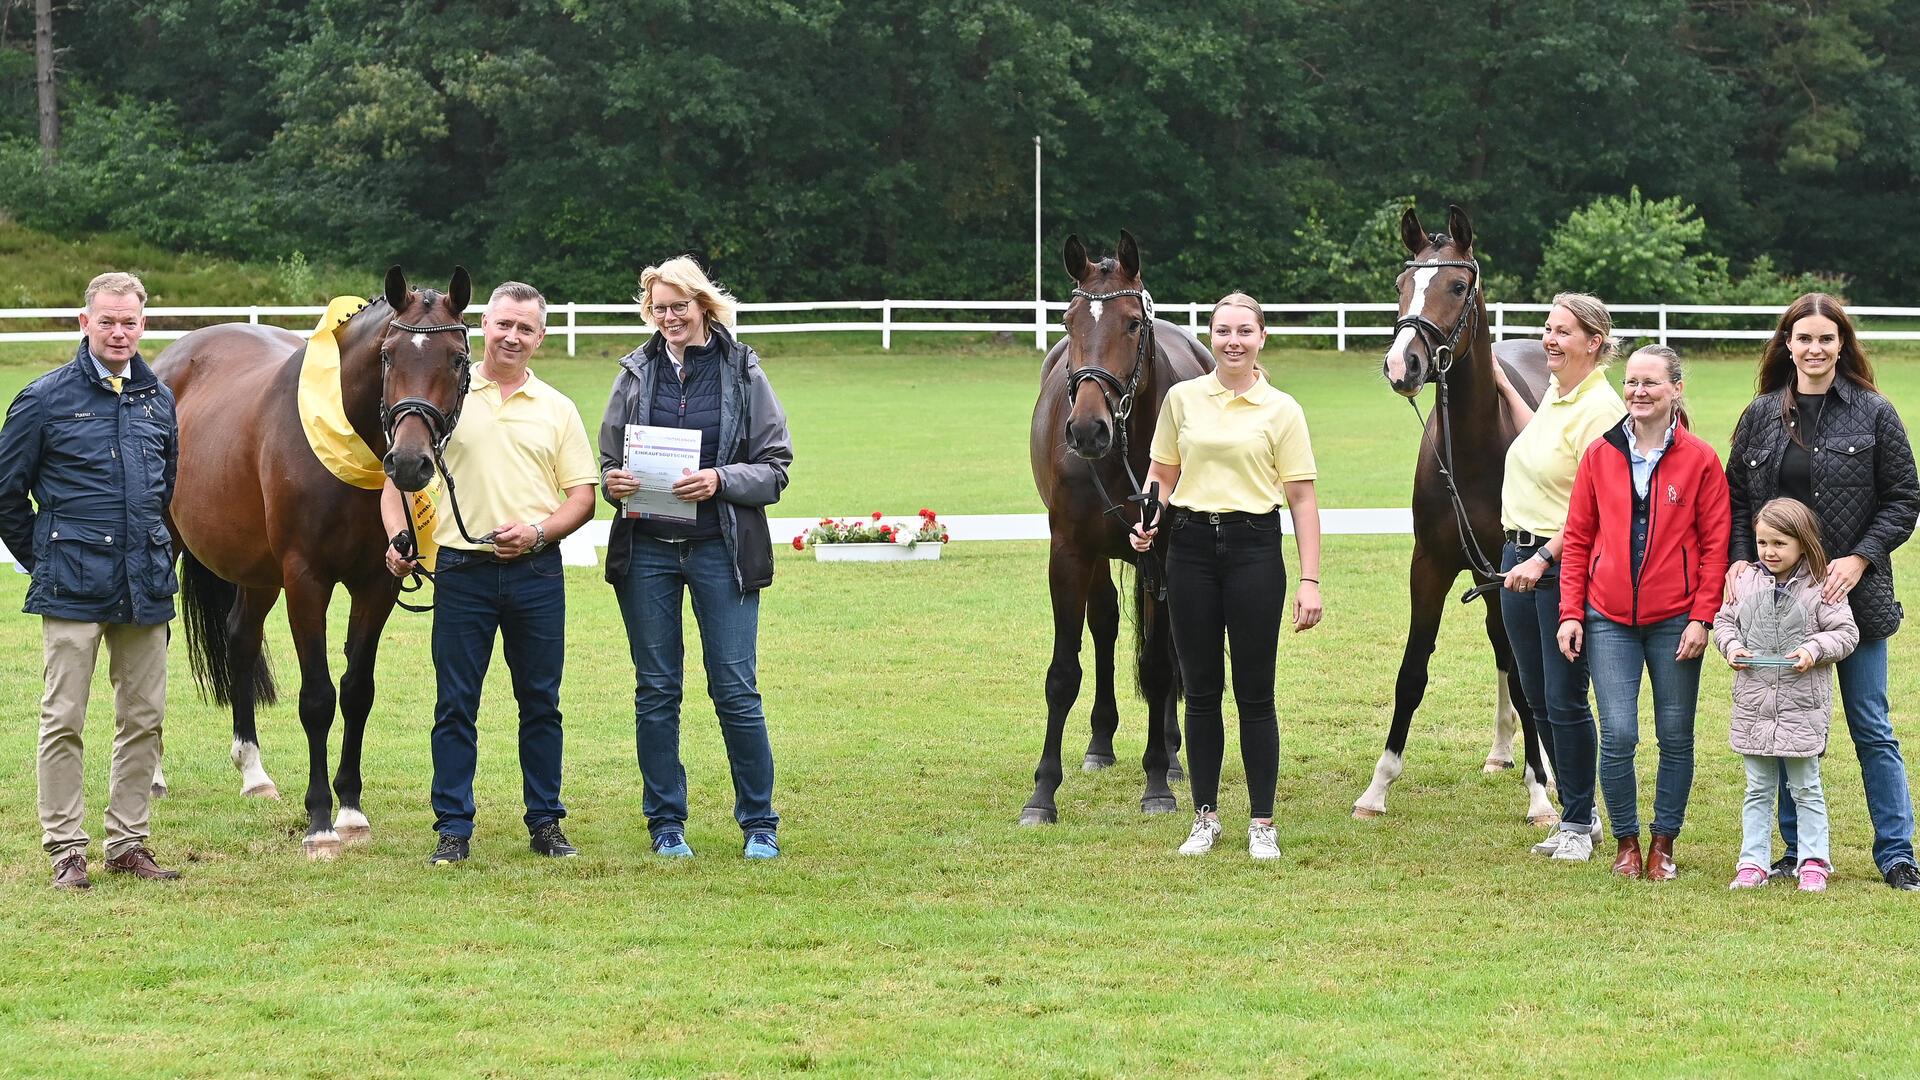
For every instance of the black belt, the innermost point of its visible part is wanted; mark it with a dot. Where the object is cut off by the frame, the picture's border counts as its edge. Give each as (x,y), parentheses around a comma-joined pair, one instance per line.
(1525,539)
(1183,516)
(468,557)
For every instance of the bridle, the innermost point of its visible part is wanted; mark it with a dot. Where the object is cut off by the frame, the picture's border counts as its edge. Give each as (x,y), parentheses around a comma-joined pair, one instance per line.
(440,427)
(1120,401)
(1444,347)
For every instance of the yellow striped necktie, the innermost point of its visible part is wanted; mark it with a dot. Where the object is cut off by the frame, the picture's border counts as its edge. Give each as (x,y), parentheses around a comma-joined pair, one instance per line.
(116,381)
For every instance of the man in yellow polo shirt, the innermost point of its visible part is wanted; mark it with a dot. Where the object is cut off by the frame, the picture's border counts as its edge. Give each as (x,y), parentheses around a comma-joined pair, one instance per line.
(524,472)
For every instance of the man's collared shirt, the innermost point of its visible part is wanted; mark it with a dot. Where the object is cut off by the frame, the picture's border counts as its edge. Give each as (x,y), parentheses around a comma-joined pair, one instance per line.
(513,460)
(1235,451)
(1538,485)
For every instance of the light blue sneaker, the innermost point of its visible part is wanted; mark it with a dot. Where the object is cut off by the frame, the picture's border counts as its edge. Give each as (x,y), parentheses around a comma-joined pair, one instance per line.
(673,844)
(761,845)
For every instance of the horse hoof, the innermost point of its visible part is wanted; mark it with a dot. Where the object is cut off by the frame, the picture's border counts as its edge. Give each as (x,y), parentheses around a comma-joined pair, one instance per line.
(1176,775)
(261,791)
(1158,804)
(1039,815)
(1366,813)
(354,834)
(1544,820)
(1096,762)
(1494,765)
(158,791)
(322,848)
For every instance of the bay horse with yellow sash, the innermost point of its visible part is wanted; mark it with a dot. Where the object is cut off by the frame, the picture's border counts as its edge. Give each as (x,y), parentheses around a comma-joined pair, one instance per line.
(257,512)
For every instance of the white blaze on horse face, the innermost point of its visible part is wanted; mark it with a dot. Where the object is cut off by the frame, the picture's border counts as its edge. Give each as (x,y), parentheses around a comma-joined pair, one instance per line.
(1095,307)
(419,341)
(1397,355)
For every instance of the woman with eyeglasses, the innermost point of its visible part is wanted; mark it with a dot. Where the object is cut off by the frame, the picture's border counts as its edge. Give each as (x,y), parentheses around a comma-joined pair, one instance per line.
(694,374)
(1644,557)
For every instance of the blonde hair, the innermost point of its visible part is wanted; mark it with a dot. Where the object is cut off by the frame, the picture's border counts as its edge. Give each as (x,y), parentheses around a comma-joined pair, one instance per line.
(1592,315)
(1792,519)
(1242,300)
(681,272)
(118,283)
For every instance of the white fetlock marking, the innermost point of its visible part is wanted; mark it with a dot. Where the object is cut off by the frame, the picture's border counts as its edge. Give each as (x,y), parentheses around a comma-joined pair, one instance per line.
(1506,720)
(322,845)
(1385,772)
(159,781)
(253,776)
(1538,804)
(349,820)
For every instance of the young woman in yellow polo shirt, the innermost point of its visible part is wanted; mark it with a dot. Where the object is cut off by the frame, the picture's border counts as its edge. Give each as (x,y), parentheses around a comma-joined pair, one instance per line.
(1535,492)
(1226,447)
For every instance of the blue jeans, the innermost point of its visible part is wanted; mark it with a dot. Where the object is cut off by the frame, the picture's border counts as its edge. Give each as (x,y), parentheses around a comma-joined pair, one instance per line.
(1863,694)
(1616,654)
(1805,795)
(729,620)
(1533,620)
(525,601)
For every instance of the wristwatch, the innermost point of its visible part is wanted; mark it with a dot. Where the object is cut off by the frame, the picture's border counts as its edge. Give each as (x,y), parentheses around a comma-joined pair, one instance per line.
(539,538)
(1544,556)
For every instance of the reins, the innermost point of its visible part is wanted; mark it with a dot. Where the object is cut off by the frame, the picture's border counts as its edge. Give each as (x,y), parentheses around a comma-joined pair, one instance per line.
(1444,347)
(1119,397)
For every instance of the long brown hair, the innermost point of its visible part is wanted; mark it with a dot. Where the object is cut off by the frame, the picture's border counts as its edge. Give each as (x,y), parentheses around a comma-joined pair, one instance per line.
(1792,519)
(1776,363)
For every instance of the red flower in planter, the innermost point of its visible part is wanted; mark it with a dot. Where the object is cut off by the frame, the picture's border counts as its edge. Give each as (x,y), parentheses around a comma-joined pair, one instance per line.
(800,542)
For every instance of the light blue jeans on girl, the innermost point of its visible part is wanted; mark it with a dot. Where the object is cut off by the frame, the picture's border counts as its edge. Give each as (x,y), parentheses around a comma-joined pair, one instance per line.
(1756,817)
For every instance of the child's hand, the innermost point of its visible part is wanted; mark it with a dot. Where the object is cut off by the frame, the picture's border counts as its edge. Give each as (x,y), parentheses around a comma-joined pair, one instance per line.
(1737,655)
(1802,658)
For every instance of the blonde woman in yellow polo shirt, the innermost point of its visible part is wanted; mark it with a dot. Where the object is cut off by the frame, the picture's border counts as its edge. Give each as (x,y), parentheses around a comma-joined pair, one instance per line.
(1579,407)
(1226,448)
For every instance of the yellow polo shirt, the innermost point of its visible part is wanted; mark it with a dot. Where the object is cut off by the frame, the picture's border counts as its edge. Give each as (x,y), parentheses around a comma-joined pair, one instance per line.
(513,460)
(1538,485)
(1234,450)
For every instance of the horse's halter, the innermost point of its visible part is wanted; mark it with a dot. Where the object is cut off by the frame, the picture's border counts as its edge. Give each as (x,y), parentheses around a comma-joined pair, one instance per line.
(1443,345)
(1119,395)
(439,425)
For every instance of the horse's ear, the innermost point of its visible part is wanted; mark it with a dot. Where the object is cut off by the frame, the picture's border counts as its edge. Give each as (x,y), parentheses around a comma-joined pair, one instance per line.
(1074,256)
(396,289)
(1411,234)
(460,292)
(1460,227)
(1129,254)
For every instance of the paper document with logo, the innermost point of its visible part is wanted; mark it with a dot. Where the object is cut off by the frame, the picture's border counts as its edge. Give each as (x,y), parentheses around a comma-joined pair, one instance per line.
(659,457)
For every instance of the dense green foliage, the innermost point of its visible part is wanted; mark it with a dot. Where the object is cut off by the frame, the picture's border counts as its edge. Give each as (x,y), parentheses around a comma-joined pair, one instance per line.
(864,148)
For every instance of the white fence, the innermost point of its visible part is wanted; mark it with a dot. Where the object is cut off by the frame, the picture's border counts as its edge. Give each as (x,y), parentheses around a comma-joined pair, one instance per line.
(1665,323)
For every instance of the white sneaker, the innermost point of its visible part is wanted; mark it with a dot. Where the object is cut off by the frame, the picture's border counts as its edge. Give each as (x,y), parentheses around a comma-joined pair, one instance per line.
(1577,847)
(1206,830)
(1552,843)
(1263,841)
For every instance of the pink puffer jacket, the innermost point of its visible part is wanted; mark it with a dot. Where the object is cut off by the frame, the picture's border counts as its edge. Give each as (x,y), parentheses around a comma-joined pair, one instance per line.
(1777,711)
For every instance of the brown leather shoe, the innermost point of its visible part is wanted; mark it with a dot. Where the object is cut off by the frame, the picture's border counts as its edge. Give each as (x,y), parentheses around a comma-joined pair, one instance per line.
(1626,861)
(71,872)
(138,861)
(1660,859)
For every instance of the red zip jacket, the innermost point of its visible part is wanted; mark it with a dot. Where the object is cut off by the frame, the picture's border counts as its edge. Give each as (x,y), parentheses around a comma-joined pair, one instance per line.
(1689,524)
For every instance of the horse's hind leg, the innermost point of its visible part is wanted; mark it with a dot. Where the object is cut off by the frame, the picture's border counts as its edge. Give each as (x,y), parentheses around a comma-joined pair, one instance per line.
(1103,618)
(1537,775)
(307,614)
(371,607)
(1067,581)
(1158,678)
(1427,585)
(246,635)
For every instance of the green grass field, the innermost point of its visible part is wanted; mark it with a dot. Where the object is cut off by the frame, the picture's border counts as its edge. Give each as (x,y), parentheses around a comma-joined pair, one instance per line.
(911,929)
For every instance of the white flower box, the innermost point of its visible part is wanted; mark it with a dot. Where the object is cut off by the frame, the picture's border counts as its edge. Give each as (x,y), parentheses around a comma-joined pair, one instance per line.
(920,552)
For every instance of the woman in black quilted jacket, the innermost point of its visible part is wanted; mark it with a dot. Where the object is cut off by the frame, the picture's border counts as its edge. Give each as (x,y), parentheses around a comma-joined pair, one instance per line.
(1822,433)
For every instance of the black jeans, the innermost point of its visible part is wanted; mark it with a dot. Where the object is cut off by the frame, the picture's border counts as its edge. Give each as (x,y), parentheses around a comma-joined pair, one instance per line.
(1228,580)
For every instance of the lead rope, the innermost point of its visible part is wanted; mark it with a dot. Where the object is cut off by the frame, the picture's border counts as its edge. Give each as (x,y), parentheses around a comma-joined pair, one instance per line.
(1477,560)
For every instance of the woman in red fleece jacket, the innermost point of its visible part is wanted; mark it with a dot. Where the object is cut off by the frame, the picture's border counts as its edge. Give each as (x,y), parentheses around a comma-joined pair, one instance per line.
(1640,581)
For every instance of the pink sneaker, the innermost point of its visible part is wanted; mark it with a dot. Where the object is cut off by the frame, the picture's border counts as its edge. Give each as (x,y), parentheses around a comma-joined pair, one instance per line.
(1813,876)
(1749,876)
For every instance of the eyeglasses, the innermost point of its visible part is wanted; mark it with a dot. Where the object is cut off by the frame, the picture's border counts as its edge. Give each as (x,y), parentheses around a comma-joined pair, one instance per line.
(1642,384)
(676,309)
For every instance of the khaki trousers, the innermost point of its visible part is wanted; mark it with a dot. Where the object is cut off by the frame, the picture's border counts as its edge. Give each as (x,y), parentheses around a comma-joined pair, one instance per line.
(137,667)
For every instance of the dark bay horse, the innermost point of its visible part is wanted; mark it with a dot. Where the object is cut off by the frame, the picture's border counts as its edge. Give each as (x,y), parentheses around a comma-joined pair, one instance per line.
(1442,337)
(255,513)
(1100,395)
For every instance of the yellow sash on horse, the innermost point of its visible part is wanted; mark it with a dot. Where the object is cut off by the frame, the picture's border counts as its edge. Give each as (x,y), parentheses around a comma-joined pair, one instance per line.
(323,418)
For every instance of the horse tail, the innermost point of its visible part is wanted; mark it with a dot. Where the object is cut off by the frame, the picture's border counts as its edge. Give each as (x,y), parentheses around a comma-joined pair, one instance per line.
(207,600)
(1148,614)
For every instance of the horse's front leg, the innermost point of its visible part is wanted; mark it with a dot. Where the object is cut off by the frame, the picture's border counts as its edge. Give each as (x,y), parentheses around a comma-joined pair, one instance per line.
(1103,619)
(1159,679)
(1067,577)
(307,614)
(372,604)
(1427,585)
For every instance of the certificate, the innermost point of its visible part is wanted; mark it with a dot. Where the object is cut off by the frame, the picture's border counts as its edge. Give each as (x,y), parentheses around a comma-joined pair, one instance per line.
(659,457)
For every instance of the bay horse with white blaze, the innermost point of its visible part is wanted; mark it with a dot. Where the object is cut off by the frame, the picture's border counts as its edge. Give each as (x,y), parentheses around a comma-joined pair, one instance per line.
(255,512)
(1456,488)
(1100,394)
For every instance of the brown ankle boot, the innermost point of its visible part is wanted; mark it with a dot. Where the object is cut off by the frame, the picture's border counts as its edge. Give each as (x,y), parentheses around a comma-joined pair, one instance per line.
(1660,859)
(1626,862)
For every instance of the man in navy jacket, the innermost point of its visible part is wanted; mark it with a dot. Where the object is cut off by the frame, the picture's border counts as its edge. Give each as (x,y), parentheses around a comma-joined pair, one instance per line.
(94,444)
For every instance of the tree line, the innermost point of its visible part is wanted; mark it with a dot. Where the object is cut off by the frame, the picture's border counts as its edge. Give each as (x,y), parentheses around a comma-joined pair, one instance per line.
(814,149)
